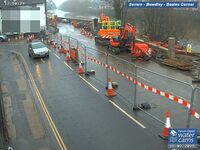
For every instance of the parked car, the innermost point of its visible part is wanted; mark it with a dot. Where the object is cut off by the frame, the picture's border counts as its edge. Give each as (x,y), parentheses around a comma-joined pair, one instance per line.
(3,37)
(37,49)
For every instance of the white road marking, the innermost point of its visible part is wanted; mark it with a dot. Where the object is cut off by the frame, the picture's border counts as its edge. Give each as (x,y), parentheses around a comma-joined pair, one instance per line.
(129,116)
(89,84)
(68,66)
(56,55)
(42,60)
(140,77)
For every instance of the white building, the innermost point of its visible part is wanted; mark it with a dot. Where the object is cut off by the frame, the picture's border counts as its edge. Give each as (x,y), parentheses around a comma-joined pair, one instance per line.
(22,16)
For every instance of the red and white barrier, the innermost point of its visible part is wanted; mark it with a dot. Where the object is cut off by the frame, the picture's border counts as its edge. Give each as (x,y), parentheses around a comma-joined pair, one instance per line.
(148,88)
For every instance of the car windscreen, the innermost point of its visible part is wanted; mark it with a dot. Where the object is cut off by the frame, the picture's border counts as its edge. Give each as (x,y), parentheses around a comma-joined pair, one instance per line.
(38,45)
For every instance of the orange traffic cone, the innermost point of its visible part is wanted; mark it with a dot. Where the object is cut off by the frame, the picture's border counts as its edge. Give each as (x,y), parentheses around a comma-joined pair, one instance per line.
(81,70)
(167,127)
(54,45)
(68,56)
(110,91)
(60,49)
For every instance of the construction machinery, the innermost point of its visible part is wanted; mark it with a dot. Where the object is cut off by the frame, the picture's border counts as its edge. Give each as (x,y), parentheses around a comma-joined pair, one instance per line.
(106,29)
(126,42)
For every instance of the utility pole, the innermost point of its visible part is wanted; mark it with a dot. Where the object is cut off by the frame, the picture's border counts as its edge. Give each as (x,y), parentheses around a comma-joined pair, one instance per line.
(124,11)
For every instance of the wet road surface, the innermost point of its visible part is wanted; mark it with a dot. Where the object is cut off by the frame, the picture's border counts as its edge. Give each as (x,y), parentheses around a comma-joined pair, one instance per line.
(85,118)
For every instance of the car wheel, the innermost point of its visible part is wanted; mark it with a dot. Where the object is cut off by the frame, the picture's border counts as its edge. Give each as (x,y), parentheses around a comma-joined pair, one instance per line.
(47,56)
(1,39)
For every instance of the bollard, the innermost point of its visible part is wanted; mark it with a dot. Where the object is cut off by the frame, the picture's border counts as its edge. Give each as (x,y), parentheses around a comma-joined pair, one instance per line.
(171,47)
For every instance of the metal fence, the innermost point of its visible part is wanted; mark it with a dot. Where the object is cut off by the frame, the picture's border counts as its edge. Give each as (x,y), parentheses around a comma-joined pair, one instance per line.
(138,86)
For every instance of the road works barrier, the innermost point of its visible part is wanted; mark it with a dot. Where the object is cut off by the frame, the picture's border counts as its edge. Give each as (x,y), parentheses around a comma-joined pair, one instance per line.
(140,87)
(195,107)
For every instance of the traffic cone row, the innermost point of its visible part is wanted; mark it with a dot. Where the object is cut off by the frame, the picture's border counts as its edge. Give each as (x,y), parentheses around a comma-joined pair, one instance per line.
(30,38)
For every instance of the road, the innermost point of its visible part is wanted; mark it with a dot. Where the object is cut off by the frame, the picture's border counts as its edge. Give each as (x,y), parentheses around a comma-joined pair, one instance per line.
(84,117)
(126,89)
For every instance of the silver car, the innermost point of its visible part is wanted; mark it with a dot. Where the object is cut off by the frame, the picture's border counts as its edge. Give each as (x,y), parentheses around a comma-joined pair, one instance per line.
(38,50)
(3,37)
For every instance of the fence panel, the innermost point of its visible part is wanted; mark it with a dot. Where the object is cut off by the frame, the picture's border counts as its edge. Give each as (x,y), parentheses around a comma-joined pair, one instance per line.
(164,94)
(81,53)
(120,71)
(137,85)
(194,122)
(73,42)
(96,61)
(66,42)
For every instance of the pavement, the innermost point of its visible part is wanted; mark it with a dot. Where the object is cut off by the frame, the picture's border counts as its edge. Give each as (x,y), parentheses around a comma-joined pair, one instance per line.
(25,126)
(83,116)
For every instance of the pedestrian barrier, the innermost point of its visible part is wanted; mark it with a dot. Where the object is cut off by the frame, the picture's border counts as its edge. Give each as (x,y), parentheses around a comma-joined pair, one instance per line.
(74,54)
(94,62)
(135,81)
(195,107)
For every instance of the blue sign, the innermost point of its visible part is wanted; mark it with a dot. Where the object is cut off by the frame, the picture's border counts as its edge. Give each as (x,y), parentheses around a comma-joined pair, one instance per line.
(162,5)
(182,138)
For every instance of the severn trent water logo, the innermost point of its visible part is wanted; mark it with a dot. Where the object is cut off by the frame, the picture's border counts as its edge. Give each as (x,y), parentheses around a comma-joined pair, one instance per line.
(173,133)
(14,2)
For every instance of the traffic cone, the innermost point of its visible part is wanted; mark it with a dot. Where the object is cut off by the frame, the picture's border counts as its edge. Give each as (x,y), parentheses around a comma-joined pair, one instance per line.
(110,91)
(81,70)
(68,56)
(167,127)
(54,45)
(15,38)
(8,39)
(60,49)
